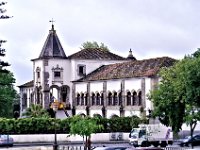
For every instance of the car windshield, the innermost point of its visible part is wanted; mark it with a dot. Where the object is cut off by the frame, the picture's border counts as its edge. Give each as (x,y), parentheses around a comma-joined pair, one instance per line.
(187,137)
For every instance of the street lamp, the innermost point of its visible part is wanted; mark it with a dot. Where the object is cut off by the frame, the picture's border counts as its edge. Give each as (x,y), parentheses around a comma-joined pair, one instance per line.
(55,106)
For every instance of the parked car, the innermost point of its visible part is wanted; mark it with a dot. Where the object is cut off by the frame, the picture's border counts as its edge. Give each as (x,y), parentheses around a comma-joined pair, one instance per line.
(6,140)
(112,148)
(127,148)
(189,141)
(148,148)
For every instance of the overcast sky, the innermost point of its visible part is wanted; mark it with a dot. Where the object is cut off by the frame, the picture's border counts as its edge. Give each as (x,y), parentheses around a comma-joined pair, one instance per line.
(151,28)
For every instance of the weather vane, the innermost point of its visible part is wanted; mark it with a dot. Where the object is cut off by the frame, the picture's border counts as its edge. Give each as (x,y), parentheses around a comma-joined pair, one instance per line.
(52,21)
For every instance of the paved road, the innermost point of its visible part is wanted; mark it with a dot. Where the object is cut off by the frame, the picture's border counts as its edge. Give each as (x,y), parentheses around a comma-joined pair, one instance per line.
(76,146)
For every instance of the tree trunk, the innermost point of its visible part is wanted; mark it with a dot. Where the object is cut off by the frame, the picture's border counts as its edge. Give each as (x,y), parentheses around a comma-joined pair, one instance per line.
(86,144)
(192,127)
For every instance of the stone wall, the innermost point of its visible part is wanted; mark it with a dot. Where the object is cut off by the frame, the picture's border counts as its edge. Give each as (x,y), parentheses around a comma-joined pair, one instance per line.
(100,137)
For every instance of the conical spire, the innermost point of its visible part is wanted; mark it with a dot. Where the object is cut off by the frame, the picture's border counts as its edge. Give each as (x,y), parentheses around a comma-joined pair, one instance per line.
(52,46)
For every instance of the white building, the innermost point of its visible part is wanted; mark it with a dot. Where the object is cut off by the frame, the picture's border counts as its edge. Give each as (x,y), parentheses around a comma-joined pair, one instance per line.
(91,81)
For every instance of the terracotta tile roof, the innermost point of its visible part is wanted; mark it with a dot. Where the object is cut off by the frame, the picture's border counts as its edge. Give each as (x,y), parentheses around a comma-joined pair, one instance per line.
(95,53)
(28,84)
(130,69)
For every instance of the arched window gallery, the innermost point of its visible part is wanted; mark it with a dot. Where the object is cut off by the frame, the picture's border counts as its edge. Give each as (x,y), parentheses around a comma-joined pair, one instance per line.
(130,98)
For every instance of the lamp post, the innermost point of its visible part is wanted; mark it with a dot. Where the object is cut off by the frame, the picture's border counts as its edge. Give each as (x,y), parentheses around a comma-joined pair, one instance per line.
(55,105)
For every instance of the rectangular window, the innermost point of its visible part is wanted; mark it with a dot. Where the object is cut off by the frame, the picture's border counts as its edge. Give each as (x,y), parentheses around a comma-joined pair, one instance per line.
(81,70)
(38,74)
(57,74)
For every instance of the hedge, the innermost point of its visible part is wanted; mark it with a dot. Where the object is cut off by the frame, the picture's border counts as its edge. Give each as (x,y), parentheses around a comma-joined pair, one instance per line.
(47,125)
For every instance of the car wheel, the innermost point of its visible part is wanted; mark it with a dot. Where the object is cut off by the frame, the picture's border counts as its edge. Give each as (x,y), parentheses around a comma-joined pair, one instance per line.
(145,144)
(189,144)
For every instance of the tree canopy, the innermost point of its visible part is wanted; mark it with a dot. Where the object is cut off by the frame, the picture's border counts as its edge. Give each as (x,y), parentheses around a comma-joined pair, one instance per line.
(7,91)
(7,94)
(94,44)
(176,99)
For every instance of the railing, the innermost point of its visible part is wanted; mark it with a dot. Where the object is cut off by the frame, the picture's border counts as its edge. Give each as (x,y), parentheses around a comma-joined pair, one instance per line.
(82,148)
(71,148)
(177,148)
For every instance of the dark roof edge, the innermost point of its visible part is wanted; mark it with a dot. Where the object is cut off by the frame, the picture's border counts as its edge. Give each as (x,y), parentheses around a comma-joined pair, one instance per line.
(27,84)
(49,58)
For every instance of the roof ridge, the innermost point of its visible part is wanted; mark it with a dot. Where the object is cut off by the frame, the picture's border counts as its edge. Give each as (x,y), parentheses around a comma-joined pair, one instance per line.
(96,53)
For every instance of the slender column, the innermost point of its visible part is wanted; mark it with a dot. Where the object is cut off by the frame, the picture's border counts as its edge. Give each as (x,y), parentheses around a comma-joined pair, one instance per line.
(89,100)
(105,93)
(122,111)
(89,94)
(123,92)
(74,94)
(143,92)
(104,108)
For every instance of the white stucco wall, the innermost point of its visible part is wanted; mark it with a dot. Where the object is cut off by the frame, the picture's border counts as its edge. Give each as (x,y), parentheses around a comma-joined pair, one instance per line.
(80,111)
(147,90)
(81,88)
(114,85)
(133,84)
(92,112)
(61,63)
(38,63)
(110,113)
(132,113)
(100,137)
(96,87)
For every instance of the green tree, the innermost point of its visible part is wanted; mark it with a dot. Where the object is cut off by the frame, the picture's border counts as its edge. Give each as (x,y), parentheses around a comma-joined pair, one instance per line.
(2,50)
(94,44)
(176,99)
(84,126)
(7,94)
(36,111)
(7,91)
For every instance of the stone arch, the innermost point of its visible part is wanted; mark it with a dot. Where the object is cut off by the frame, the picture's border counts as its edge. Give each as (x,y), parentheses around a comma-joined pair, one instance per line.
(101,98)
(64,93)
(119,97)
(55,92)
(134,97)
(78,98)
(128,98)
(98,97)
(115,98)
(86,98)
(81,98)
(93,98)
(109,98)
(139,98)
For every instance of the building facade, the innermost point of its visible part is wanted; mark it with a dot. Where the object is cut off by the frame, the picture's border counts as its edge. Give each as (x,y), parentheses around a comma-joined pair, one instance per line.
(91,81)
